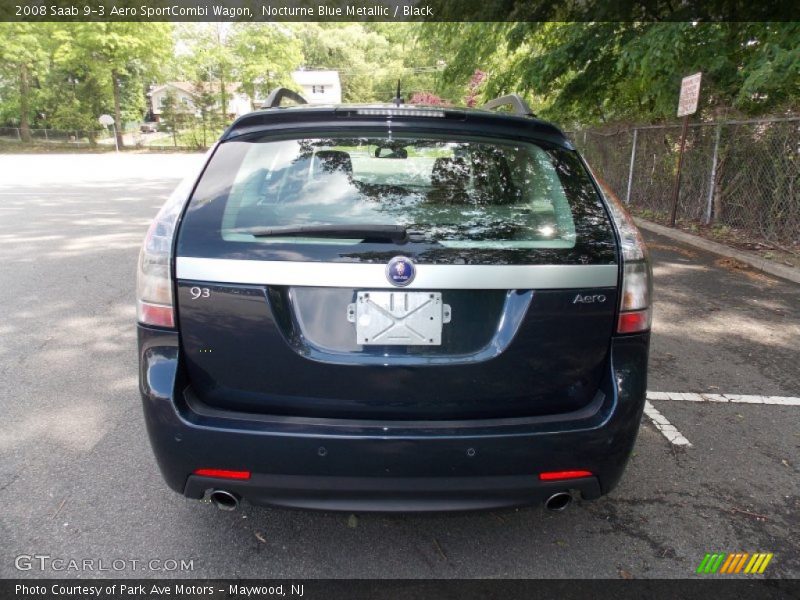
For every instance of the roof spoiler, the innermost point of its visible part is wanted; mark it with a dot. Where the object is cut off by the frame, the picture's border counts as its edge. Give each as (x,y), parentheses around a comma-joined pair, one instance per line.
(518,105)
(279,94)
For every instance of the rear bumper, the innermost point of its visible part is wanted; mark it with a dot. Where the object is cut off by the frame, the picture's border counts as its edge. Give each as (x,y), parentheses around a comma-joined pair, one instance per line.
(336,464)
(392,494)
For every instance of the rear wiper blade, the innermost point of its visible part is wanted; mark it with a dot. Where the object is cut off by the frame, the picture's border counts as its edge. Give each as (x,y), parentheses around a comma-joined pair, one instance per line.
(394,233)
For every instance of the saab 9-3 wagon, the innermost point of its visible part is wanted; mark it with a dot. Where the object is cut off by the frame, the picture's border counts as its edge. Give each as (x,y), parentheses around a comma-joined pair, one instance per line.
(393,308)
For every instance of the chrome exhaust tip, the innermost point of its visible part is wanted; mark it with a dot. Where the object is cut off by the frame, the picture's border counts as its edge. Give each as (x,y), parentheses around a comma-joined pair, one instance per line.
(558,502)
(224,500)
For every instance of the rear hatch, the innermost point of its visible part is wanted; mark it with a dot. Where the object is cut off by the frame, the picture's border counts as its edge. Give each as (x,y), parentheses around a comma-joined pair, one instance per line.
(365,274)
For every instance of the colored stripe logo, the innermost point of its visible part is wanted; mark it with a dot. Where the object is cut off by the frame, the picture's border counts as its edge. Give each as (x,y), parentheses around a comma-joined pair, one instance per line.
(734,563)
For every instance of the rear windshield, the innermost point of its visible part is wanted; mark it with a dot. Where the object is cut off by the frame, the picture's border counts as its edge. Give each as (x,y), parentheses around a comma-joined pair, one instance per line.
(470,201)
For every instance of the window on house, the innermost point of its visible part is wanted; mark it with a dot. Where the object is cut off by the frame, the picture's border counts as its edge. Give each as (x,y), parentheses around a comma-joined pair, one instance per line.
(317,89)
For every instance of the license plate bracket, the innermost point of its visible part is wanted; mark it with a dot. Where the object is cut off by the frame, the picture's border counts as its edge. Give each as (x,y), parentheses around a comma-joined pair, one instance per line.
(398,318)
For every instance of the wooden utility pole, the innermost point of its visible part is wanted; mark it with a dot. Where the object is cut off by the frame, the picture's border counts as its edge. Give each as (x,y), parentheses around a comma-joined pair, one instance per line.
(687,105)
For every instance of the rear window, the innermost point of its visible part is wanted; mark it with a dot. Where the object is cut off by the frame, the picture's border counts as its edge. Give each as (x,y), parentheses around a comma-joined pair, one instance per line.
(462,201)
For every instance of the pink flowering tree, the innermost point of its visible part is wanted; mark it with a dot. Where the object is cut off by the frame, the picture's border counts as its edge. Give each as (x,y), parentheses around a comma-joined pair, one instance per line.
(475,82)
(427,99)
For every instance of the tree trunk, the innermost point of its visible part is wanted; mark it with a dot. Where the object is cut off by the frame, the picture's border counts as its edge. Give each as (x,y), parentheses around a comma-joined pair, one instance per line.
(718,206)
(24,103)
(117,112)
(224,101)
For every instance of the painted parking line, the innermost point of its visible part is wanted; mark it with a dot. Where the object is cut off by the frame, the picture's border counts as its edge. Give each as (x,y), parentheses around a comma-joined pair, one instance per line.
(669,431)
(732,398)
(666,428)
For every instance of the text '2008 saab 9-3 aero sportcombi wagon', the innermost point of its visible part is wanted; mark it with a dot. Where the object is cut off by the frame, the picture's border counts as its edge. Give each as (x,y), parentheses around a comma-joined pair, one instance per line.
(393,308)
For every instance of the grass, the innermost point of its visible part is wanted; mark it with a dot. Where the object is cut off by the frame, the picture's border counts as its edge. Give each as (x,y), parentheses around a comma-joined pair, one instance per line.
(37,147)
(188,139)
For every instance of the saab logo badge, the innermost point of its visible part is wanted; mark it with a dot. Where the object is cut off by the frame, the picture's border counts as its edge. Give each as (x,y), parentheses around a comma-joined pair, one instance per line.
(587,299)
(735,562)
(400,271)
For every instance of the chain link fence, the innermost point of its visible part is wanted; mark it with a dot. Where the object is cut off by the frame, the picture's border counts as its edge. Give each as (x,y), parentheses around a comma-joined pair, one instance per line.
(739,174)
(74,137)
(153,138)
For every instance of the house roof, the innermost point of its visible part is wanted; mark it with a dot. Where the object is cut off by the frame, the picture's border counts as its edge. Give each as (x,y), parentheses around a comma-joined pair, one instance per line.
(316,77)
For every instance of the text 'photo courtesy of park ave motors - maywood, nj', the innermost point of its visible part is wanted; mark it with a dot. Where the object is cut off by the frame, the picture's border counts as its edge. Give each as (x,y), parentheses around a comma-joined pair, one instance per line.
(157,590)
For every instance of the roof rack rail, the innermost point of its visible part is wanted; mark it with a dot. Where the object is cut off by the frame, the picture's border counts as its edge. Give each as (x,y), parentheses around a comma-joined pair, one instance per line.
(519,106)
(278,94)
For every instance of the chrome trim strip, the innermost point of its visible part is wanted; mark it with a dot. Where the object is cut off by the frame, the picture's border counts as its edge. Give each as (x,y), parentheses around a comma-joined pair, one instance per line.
(373,276)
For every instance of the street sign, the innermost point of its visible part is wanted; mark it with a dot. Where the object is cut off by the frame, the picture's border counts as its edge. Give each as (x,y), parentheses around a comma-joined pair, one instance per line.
(687,105)
(690,94)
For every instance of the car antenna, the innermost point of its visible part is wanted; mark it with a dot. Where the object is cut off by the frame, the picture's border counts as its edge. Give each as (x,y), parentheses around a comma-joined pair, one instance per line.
(397,99)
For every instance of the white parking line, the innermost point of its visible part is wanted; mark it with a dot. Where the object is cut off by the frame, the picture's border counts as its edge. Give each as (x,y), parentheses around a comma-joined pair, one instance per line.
(735,398)
(666,428)
(675,437)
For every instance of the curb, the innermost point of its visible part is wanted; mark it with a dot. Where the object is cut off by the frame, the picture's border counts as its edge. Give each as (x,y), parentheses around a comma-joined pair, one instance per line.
(762,264)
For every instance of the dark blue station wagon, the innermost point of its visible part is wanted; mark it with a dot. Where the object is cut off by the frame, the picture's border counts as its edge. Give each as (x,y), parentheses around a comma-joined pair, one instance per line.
(393,308)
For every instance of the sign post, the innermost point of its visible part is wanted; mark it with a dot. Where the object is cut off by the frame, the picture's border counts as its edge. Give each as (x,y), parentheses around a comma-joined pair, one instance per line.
(105,121)
(687,105)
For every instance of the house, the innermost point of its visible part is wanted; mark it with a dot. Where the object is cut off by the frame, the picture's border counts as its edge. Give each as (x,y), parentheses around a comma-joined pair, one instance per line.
(319,87)
(188,98)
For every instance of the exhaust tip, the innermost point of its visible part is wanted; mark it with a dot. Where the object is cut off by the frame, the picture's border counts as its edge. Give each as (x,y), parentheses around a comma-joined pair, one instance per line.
(224,500)
(558,502)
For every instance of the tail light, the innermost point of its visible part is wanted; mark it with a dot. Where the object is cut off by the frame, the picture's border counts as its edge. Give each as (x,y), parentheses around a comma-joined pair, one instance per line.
(222,473)
(635,308)
(561,475)
(154,302)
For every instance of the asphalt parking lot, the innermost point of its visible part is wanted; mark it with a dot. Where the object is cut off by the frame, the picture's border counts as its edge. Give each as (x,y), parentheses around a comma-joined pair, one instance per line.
(78,480)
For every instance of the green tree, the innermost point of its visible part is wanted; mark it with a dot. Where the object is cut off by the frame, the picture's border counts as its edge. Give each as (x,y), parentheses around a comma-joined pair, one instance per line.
(205,102)
(117,56)
(417,60)
(371,57)
(23,59)
(465,48)
(584,72)
(171,115)
(259,56)
(266,54)
(208,56)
